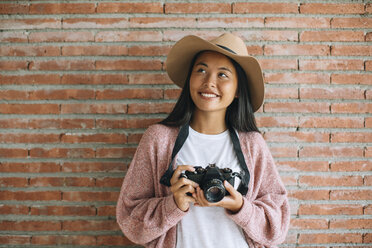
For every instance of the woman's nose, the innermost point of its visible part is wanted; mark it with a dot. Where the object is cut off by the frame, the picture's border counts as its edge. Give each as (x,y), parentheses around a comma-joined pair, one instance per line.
(210,80)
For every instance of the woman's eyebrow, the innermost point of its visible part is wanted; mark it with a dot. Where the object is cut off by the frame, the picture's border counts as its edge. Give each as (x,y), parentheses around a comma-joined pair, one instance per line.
(221,68)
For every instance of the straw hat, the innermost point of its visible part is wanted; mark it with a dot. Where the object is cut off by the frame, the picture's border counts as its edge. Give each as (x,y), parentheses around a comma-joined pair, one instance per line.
(182,53)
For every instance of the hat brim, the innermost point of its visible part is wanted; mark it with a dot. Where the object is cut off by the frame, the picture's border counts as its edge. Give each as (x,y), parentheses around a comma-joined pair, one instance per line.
(180,56)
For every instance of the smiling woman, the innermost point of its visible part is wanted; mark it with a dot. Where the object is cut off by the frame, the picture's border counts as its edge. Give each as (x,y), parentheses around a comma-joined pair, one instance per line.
(209,144)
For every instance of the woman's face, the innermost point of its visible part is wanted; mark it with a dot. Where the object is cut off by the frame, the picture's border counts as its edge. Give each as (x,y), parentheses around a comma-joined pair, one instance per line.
(213,82)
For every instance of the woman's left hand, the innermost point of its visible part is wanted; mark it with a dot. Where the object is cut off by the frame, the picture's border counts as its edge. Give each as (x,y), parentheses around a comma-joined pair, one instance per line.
(232,202)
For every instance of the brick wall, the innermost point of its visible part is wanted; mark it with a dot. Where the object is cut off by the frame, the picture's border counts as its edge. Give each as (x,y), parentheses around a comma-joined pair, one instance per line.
(81,80)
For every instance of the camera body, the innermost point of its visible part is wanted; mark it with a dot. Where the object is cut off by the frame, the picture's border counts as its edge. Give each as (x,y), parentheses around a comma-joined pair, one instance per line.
(210,180)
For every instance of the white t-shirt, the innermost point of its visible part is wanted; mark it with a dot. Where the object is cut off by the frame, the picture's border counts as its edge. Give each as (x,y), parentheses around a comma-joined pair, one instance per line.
(209,227)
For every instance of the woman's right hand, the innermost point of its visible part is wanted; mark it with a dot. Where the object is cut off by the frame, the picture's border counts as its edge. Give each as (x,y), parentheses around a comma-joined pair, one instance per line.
(181,186)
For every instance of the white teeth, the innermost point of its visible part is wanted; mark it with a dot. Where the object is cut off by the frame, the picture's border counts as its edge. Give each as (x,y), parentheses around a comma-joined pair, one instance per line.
(208,95)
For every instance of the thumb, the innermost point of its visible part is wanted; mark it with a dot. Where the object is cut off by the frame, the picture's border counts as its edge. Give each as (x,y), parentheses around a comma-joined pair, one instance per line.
(229,188)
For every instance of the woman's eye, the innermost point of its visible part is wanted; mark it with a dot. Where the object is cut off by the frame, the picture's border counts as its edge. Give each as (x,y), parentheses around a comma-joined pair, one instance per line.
(201,70)
(223,75)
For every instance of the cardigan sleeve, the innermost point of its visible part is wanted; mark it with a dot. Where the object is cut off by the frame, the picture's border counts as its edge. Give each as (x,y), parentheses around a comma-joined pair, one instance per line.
(265,213)
(141,214)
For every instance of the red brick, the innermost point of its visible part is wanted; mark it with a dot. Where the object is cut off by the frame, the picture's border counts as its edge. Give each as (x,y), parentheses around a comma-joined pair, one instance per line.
(36,23)
(308,224)
(86,167)
(30,225)
(331,209)
(61,153)
(103,108)
(116,36)
(63,210)
(11,36)
(20,51)
(30,79)
(145,50)
(351,107)
(30,167)
(324,238)
(269,35)
(8,65)
(134,138)
(175,35)
(351,23)
(226,22)
(65,94)
(297,50)
(211,7)
(368,65)
(109,182)
(297,78)
(297,22)
(172,93)
(94,79)
(149,78)
(278,64)
(140,7)
(351,224)
(147,108)
(28,138)
(331,122)
(350,195)
(95,23)
(29,109)
(62,181)
(13,182)
(331,64)
(107,138)
(13,95)
(332,93)
(368,209)
(297,107)
(281,93)
(283,152)
(309,194)
(265,8)
(62,8)
(326,180)
(333,151)
(331,8)
(332,36)
(351,166)
(113,240)
(162,22)
(76,196)
(351,50)
(351,137)
(302,165)
(368,180)
(351,79)
(110,65)
(115,152)
(62,65)
(11,8)
(296,137)
(94,50)
(106,211)
(131,123)
(30,196)
(15,239)
(140,93)
(63,240)
(14,209)
(276,121)
(13,153)
(61,36)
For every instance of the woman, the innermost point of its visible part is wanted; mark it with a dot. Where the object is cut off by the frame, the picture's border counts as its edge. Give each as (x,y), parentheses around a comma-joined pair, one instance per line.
(221,89)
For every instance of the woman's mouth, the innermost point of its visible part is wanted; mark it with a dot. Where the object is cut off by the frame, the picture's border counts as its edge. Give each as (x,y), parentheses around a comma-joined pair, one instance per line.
(208,95)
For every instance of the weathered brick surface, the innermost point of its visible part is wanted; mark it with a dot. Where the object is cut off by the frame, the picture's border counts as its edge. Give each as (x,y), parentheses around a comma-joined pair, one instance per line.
(81,80)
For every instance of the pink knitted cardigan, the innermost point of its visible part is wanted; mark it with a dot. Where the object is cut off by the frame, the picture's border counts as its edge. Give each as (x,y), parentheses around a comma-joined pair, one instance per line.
(148,215)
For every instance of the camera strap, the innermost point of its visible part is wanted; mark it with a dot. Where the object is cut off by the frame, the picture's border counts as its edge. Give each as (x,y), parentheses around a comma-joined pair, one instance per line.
(181,138)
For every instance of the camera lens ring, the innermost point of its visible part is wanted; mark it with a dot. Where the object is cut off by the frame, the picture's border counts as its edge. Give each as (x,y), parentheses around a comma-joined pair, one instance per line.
(214,191)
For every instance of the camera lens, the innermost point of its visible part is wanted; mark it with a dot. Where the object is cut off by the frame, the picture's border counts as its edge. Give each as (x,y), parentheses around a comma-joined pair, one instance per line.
(214,190)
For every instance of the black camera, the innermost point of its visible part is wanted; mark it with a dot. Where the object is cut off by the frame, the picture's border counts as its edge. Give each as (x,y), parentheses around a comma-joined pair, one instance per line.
(211,180)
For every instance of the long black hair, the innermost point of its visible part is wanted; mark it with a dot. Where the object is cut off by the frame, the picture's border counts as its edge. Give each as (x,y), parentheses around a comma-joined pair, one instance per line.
(239,113)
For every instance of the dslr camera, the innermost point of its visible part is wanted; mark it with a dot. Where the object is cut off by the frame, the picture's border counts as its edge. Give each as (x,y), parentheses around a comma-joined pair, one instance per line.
(210,180)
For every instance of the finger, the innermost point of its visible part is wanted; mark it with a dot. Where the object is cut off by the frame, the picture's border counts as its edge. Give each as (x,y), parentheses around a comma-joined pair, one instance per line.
(230,189)
(181,182)
(177,172)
